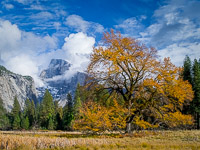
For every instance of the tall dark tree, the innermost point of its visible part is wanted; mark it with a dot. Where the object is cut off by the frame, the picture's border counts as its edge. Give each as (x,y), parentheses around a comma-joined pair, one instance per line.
(16,107)
(187,69)
(68,113)
(29,112)
(32,115)
(77,101)
(47,111)
(4,122)
(36,121)
(196,88)
(59,115)
(15,113)
(187,76)
(27,108)
(16,122)
(50,125)
(25,122)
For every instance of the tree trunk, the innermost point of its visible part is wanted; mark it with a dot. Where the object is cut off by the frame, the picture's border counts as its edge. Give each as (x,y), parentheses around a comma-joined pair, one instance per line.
(128,128)
(129,119)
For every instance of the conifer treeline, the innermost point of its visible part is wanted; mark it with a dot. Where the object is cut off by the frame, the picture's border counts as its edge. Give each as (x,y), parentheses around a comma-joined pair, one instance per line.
(191,72)
(46,115)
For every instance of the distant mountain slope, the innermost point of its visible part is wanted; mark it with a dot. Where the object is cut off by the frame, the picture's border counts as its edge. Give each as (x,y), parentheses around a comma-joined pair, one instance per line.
(58,80)
(12,85)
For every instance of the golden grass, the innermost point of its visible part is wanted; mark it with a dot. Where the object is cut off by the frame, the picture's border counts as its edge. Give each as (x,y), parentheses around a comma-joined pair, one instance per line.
(158,140)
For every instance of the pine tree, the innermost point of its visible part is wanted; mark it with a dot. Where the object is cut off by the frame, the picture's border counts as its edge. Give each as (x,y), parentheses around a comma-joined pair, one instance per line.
(199,62)
(46,109)
(15,113)
(196,88)
(58,118)
(16,122)
(36,121)
(32,115)
(16,107)
(25,123)
(68,113)
(4,122)
(187,74)
(25,115)
(27,106)
(50,124)
(77,101)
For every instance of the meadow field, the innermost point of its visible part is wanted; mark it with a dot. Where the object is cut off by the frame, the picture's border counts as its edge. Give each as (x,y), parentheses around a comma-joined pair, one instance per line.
(143,140)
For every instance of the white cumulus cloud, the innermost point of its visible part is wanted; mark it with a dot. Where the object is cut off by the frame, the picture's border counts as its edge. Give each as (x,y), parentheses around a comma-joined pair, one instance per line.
(20,51)
(78,47)
(10,37)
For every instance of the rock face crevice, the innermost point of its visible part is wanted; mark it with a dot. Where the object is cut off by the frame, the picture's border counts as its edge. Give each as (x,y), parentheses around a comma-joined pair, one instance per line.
(12,85)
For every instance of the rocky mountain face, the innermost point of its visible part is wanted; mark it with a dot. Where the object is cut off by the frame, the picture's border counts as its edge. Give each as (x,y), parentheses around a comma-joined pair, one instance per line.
(56,67)
(59,81)
(12,85)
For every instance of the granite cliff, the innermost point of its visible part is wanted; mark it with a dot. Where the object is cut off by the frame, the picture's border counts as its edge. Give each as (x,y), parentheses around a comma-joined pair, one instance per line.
(12,85)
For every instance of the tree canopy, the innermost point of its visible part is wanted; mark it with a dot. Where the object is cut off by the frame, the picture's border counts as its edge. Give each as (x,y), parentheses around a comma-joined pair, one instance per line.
(147,85)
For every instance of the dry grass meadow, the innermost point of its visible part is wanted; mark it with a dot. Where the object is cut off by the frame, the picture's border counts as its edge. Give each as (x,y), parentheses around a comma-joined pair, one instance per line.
(144,140)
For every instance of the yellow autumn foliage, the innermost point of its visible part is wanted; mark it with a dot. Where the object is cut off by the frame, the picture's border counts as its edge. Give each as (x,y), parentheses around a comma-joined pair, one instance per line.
(144,124)
(117,115)
(177,119)
(97,118)
(93,117)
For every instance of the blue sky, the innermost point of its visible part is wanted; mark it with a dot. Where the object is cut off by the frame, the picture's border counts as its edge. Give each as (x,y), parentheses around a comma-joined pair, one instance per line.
(34,31)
